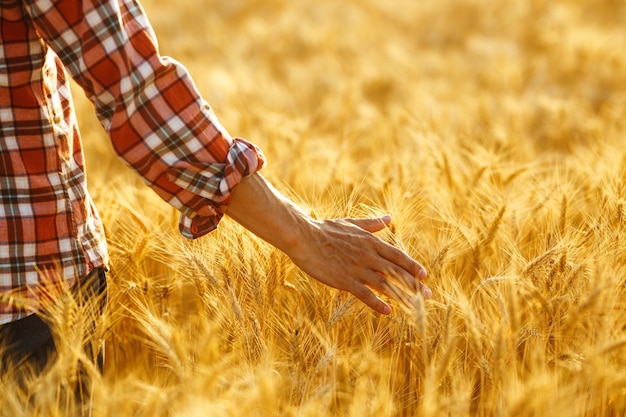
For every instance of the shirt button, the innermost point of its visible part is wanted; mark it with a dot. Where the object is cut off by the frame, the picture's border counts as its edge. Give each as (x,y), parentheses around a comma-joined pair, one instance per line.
(194,229)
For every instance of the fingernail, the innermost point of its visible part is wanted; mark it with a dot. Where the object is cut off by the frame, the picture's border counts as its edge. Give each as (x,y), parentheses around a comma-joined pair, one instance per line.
(422,274)
(386,218)
(426,292)
(387,309)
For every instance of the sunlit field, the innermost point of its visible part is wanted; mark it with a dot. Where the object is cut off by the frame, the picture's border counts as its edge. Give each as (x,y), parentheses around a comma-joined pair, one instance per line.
(494,133)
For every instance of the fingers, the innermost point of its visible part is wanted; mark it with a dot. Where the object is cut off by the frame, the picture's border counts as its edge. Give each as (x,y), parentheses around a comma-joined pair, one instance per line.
(386,284)
(393,272)
(393,288)
(371,300)
(399,274)
(399,267)
(366,295)
(426,292)
(390,252)
(400,258)
(374,224)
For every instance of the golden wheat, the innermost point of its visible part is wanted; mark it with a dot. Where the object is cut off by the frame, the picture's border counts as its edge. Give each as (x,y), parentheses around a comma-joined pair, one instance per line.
(494,134)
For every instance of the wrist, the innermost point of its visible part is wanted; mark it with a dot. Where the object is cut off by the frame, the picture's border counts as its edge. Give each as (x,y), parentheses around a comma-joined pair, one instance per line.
(294,230)
(264,211)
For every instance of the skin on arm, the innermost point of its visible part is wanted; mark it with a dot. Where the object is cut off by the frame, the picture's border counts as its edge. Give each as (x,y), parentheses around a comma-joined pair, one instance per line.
(341,253)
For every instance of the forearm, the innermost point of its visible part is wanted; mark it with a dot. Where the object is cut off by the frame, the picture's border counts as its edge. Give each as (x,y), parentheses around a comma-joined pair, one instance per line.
(260,208)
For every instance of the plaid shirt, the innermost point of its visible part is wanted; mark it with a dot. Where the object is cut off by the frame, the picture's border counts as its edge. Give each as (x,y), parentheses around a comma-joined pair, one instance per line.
(157,121)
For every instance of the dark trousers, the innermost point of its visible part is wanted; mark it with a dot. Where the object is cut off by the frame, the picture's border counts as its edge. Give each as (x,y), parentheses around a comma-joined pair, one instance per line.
(29,340)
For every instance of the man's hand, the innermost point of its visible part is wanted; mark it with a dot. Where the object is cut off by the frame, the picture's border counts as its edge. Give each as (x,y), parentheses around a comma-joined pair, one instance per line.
(344,254)
(341,253)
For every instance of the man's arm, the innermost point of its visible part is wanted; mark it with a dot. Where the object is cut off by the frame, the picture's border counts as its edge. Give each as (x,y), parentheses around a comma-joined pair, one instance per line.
(341,253)
(157,121)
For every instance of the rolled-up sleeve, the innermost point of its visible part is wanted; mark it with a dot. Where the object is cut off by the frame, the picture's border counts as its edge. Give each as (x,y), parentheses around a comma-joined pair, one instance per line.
(148,104)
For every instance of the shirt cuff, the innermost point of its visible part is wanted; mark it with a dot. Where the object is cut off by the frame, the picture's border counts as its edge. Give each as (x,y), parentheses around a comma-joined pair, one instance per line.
(214,184)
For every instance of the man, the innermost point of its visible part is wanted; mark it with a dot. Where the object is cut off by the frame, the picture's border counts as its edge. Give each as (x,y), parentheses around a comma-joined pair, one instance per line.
(162,128)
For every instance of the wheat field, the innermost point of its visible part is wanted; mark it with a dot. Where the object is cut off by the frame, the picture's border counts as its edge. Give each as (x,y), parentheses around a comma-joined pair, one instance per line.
(493,132)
